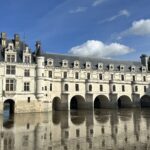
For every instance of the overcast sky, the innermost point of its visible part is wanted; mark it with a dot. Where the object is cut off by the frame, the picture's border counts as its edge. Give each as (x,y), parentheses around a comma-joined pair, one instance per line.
(118,29)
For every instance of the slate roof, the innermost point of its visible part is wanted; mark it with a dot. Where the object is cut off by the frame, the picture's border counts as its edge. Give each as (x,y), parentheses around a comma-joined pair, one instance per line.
(58,58)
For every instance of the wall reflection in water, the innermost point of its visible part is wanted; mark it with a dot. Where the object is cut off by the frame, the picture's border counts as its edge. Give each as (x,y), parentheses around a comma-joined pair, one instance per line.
(77,130)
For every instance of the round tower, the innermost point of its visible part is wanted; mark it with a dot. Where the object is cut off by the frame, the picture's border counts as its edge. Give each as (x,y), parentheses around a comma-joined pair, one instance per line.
(39,72)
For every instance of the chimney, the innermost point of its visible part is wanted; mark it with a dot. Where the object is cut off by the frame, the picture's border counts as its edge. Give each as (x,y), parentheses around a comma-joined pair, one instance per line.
(16,40)
(3,39)
(144,60)
(38,48)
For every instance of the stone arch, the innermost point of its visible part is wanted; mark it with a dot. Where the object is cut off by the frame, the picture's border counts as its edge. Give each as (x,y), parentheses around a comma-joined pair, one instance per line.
(145,101)
(124,101)
(101,101)
(9,106)
(56,104)
(77,102)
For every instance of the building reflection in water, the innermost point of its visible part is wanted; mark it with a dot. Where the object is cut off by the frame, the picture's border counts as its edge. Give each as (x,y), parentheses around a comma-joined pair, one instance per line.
(77,130)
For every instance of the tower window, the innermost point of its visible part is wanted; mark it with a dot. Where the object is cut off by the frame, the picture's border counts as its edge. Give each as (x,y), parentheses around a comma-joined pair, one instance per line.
(77,75)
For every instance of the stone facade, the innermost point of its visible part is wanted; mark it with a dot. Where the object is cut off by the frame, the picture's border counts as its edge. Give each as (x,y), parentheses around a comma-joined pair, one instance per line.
(38,82)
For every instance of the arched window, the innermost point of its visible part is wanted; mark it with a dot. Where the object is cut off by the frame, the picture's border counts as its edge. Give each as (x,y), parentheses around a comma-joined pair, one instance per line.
(66,87)
(114,88)
(90,87)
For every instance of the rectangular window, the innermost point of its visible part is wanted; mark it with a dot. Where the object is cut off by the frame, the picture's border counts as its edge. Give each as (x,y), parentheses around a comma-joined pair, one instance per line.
(26,86)
(100,77)
(101,87)
(10,85)
(122,77)
(123,88)
(65,75)
(51,88)
(114,88)
(10,58)
(50,74)
(144,88)
(90,87)
(136,88)
(26,72)
(10,69)
(88,75)
(133,78)
(27,59)
(144,78)
(77,75)
(112,76)
(45,88)
(77,87)
(66,87)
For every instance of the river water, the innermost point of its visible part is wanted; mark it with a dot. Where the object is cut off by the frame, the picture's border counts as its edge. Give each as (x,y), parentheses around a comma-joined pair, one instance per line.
(123,129)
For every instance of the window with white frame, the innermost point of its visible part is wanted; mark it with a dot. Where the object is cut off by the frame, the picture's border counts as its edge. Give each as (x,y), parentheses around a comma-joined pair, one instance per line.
(50,62)
(26,72)
(76,64)
(10,84)
(100,66)
(27,59)
(10,69)
(88,65)
(111,67)
(10,58)
(65,63)
(26,86)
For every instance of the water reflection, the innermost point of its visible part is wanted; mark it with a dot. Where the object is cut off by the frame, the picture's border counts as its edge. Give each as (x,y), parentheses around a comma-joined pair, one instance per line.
(77,130)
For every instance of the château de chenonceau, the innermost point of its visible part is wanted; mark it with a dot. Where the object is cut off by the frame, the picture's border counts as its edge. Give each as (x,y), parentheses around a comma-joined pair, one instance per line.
(34,81)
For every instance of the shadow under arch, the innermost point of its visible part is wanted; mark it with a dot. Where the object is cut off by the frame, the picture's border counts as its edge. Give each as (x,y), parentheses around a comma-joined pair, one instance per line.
(77,102)
(56,103)
(77,117)
(9,106)
(145,101)
(101,101)
(124,102)
(101,116)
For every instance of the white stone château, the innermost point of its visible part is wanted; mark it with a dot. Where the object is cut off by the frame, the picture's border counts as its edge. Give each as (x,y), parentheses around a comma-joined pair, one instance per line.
(39,82)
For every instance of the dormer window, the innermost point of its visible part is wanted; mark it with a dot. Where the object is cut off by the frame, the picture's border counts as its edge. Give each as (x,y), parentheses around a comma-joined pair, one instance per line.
(111,67)
(100,66)
(76,64)
(143,69)
(10,58)
(50,62)
(10,46)
(26,49)
(27,59)
(65,63)
(121,68)
(132,68)
(88,65)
